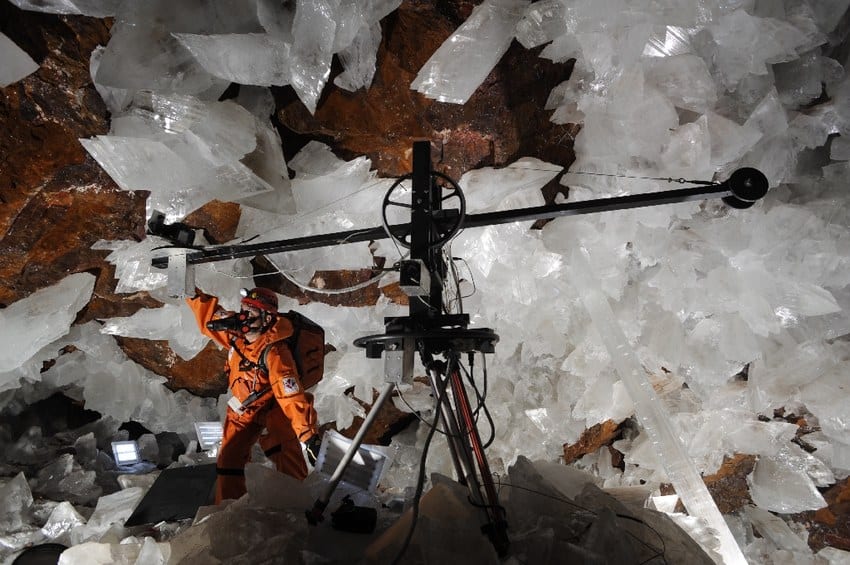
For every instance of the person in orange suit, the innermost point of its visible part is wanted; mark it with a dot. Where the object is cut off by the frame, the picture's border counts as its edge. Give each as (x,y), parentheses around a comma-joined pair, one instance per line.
(271,400)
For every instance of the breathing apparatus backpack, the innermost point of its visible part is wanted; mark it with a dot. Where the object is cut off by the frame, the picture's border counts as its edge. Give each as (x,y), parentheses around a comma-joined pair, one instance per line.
(307,345)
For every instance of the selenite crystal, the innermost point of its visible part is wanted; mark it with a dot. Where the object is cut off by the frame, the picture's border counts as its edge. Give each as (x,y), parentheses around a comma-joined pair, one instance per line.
(462,63)
(15,63)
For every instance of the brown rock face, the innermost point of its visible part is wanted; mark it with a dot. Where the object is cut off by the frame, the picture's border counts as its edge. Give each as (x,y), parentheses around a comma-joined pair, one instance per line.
(501,122)
(56,202)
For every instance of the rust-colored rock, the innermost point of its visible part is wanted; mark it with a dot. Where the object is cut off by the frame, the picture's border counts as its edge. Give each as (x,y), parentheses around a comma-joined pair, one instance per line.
(591,440)
(389,421)
(728,486)
(830,526)
(202,375)
(218,219)
(56,201)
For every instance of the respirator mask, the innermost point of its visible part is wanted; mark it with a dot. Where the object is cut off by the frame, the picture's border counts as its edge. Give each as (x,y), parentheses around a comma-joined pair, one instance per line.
(239,322)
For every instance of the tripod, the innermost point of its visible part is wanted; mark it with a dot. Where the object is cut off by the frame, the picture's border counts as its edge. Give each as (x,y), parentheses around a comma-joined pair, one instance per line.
(430,332)
(453,406)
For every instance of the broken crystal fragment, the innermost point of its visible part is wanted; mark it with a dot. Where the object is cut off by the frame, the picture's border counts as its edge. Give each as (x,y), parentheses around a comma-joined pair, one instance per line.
(15,63)
(32,322)
(685,80)
(17,502)
(746,44)
(253,58)
(465,59)
(95,8)
(798,492)
(541,23)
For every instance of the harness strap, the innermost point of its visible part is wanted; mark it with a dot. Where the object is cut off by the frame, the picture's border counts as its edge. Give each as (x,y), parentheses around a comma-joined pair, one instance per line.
(230,472)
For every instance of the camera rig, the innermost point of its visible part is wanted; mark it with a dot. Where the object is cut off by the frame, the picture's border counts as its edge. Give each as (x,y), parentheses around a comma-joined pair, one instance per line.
(437,213)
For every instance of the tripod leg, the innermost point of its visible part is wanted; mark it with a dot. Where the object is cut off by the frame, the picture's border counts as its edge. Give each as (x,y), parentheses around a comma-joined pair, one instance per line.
(438,386)
(461,443)
(497,527)
(314,515)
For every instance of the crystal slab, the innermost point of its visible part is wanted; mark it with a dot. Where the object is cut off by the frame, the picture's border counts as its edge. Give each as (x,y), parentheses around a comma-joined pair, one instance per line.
(465,59)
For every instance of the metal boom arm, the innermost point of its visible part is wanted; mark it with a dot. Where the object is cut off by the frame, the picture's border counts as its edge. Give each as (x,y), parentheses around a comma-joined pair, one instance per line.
(738,192)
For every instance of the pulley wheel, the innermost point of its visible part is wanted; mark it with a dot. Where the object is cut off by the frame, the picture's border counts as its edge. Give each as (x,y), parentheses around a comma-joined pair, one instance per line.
(451,216)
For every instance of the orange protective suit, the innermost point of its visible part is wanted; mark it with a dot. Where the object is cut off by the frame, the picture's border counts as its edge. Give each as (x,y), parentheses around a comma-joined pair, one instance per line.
(286,411)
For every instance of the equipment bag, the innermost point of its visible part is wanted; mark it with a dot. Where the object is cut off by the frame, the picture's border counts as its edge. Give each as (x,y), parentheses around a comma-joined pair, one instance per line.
(307,345)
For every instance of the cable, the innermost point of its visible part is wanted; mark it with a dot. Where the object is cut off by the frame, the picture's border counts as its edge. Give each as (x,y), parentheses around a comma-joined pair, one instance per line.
(471,276)
(303,286)
(420,418)
(679,180)
(448,300)
(420,483)
(333,291)
(481,405)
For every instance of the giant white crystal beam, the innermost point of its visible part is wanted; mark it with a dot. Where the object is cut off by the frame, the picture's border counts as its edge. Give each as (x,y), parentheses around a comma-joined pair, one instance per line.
(465,59)
(31,323)
(172,322)
(313,33)
(650,411)
(15,64)
(246,58)
(147,58)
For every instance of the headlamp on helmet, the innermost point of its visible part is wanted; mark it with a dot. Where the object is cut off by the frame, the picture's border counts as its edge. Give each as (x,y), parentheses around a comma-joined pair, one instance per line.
(261,298)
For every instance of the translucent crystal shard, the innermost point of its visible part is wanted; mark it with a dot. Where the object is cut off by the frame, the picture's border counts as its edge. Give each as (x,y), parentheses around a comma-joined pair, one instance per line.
(143,54)
(650,411)
(669,41)
(249,58)
(775,529)
(96,8)
(359,59)
(542,22)
(15,64)
(31,323)
(465,59)
(313,33)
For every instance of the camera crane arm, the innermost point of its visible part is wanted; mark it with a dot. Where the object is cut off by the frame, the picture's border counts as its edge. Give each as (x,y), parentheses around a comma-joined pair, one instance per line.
(741,190)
